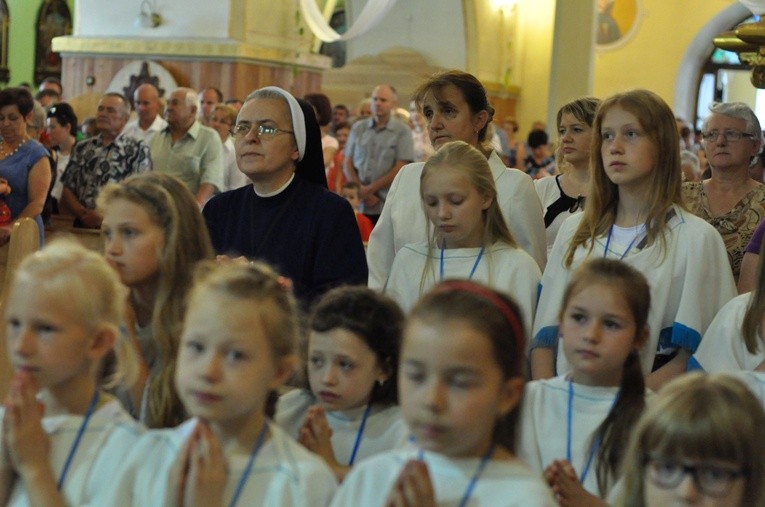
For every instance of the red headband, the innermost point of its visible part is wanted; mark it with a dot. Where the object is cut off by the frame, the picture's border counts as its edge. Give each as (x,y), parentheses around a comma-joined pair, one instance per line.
(499,303)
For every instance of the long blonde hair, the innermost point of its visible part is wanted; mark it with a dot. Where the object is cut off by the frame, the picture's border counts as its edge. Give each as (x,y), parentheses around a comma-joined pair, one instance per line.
(472,164)
(658,122)
(172,207)
(66,270)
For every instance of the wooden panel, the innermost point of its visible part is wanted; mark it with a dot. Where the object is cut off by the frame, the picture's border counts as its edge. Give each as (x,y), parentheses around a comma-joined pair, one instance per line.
(234,79)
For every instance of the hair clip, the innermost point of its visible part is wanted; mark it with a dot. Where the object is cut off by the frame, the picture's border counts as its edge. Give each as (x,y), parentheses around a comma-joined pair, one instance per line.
(284,282)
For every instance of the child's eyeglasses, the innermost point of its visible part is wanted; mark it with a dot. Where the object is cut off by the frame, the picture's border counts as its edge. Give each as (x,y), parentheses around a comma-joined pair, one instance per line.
(711,480)
(261,131)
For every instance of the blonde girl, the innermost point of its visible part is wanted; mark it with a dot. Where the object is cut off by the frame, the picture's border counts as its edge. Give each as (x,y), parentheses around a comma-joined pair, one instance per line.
(700,442)
(62,434)
(461,382)
(581,422)
(564,194)
(153,236)
(350,409)
(456,107)
(467,234)
(634,213)
(733,341)
(236,351)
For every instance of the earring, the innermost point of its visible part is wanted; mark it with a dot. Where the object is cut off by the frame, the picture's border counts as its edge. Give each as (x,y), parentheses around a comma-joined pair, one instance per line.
(380,383)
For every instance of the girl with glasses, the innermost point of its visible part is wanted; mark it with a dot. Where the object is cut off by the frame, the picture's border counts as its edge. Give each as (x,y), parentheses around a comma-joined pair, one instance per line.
(700,442)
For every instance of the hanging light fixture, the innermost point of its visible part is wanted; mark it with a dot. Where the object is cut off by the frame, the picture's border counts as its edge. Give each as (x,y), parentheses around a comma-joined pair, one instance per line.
(748,41)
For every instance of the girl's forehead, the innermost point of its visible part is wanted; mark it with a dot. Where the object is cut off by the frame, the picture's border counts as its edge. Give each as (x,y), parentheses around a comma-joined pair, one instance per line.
(446,341)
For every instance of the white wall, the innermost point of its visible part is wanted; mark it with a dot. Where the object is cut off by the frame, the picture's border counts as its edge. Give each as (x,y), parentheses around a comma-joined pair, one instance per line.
(434,28)
(181,18)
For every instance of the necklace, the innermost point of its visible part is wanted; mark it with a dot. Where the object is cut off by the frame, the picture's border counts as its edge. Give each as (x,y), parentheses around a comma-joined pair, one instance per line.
(473,480)
(248,468)
(76,443)
(5,152)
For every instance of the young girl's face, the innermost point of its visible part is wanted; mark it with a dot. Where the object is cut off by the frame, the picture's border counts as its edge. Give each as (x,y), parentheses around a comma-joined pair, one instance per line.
(452,390)
(225,366)
(342,369)
(133,243)
(598,330)
(629,155)
(575,136)
(714,483)
(47,338)
(454,207)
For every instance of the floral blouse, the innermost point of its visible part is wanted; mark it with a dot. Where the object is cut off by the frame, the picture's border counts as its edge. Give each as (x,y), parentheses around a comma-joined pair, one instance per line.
(737,226)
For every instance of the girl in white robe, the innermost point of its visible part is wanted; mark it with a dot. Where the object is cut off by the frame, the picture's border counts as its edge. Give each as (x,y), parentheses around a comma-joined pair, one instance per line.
(236,349)
(349,410)
(456,108)
(461,380)
(470,239)
(579,424)
(63,313)
(634,213)
(734,340)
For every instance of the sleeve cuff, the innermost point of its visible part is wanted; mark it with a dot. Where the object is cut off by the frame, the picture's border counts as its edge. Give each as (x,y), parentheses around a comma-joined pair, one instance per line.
(685,337)
(693,365)
(547,337)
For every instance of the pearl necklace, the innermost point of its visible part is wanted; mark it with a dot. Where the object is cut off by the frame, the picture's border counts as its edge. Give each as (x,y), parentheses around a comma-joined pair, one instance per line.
(5,153)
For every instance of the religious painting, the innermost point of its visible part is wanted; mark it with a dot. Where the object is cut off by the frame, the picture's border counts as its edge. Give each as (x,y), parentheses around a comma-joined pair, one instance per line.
(616,22)
(53,20)
(5,19)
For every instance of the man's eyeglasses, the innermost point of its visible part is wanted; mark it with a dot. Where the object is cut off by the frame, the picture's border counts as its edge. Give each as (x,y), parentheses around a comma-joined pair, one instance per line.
(261,131)
(730,136)
(711,480)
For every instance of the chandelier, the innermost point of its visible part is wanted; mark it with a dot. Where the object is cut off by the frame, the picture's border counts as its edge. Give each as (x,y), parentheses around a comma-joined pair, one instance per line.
(748,41)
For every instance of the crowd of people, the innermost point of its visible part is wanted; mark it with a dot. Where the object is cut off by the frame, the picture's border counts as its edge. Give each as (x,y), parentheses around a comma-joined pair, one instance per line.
(302,304)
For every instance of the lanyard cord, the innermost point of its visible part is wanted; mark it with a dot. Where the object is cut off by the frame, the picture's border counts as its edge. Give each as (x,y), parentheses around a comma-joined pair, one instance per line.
(473,480)
(78,438)
(608,242)
(472,271)
(361,432)
(248,468)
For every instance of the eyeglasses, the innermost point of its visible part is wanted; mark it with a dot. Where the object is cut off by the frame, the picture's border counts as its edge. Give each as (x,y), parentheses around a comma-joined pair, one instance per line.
(730,136)
(711,480)
(261,131)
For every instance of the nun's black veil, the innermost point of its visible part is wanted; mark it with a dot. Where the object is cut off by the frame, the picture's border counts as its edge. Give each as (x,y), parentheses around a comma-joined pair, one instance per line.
(311,168)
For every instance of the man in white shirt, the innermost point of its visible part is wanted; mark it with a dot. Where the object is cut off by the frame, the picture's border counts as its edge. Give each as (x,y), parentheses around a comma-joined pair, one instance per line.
(147,107)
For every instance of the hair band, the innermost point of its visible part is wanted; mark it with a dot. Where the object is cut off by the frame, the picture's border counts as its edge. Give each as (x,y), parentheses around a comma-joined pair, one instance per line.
(498,303)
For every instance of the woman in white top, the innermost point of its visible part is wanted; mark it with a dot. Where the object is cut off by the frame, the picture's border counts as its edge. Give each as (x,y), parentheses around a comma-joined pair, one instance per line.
(564,194)
(456,108)
(61,126)
(222,119)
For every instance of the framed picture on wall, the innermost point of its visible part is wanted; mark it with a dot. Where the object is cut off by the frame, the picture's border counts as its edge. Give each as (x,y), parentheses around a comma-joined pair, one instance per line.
(617,22)
(53,20)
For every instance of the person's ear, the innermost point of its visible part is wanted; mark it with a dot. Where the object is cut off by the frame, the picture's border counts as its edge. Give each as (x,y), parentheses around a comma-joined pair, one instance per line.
(102,342)
(285,368)
(480,119)
(512,390)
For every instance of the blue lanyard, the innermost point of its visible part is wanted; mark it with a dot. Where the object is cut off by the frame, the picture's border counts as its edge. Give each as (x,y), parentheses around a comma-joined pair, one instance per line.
(76,443)
(358,435)
(629,247)
(248,468)
(472,271)
(595,444)
(473,480)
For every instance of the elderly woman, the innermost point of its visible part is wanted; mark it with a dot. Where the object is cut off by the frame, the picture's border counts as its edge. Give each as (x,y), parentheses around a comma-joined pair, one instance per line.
(287,217)
(221,120)
(730,200)
(23,161)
